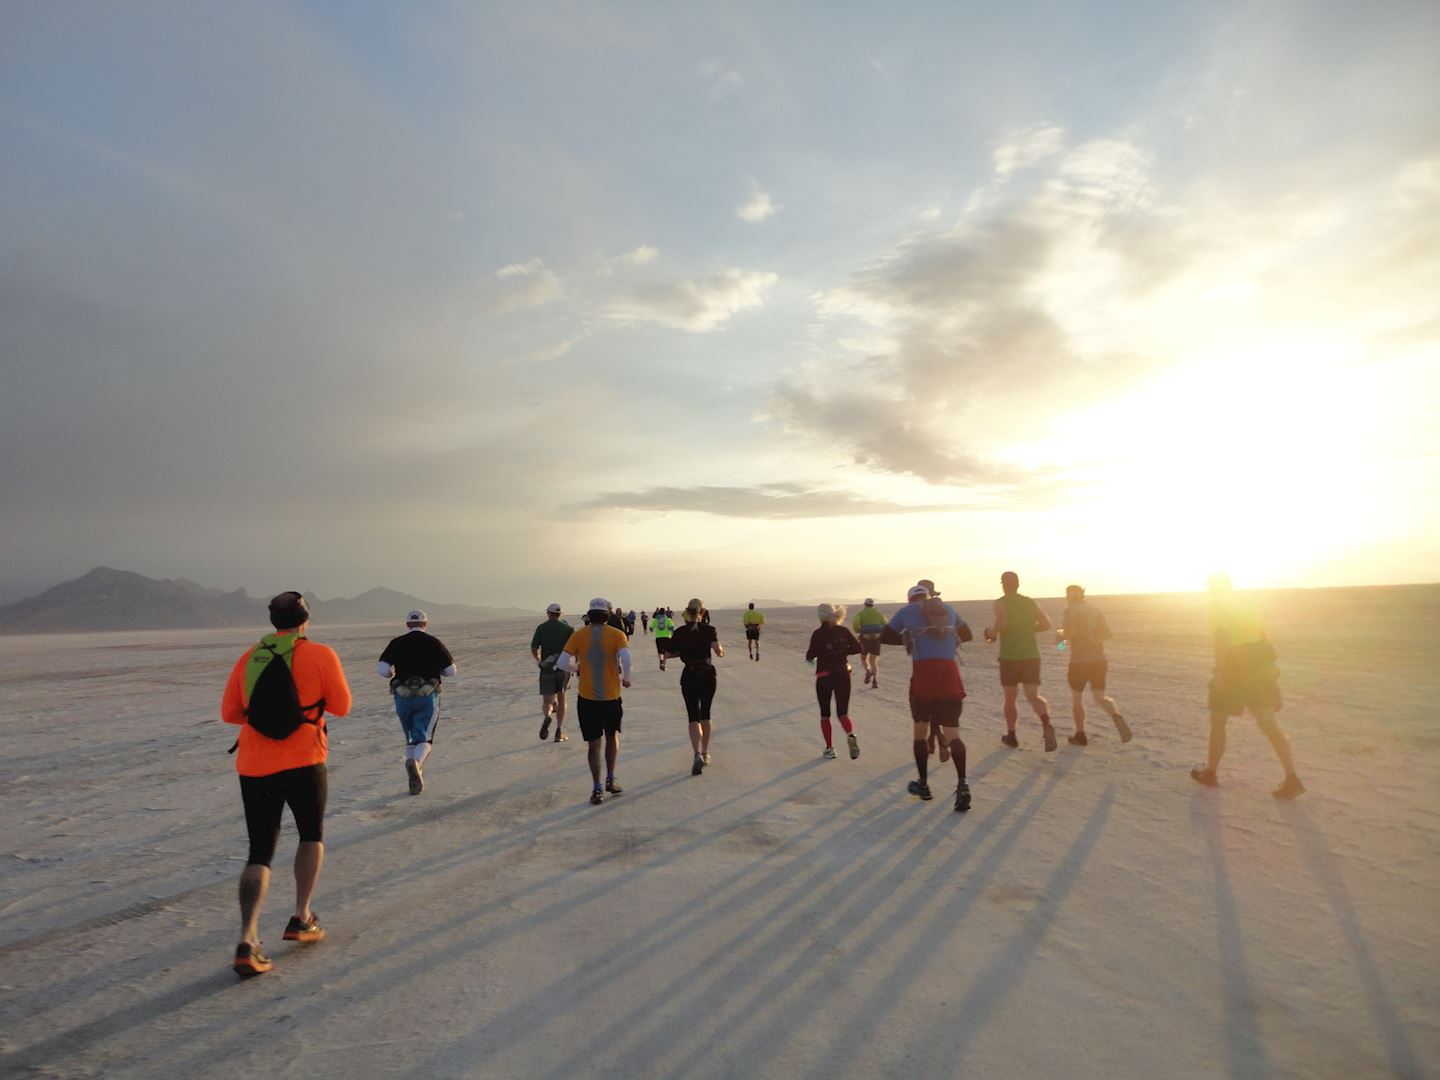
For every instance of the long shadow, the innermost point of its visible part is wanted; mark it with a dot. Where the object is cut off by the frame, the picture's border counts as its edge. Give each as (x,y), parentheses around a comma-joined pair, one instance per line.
(999,978)
(1244,1042)
(389,974)
(1324,868)
(870,1015)
(38,1056)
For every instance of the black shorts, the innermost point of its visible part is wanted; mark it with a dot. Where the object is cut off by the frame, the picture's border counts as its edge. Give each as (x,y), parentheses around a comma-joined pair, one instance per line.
(1087,671)
(1016,672)
(1246,678)
(942,711)
(661,644)
(304,790)
(869,644)
(752,632)
(599,718)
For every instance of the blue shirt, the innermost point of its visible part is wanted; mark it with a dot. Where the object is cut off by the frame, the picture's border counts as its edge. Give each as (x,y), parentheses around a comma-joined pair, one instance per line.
(929,642)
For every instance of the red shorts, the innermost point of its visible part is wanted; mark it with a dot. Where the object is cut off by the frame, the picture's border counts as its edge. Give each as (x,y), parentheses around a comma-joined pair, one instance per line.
(936,680)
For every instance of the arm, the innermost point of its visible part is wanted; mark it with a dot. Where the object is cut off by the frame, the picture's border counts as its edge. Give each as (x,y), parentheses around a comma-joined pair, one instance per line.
(385,670)
(566,662)
(448,671)
(1042,621)
(337,688)
(995,629)
(852,644)
(624,657)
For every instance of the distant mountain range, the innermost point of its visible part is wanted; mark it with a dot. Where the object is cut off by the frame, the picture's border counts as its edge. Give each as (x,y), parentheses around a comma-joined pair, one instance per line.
(106,599)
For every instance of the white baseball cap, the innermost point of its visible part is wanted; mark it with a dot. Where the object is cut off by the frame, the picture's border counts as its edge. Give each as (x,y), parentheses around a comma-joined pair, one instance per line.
(553,609)
(599,604)
(417,616)
(917,591)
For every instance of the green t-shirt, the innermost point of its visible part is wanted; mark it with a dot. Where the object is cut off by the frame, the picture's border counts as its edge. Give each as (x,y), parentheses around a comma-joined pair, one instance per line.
(1017,641)
(551,636)
(870,620)
(663,627)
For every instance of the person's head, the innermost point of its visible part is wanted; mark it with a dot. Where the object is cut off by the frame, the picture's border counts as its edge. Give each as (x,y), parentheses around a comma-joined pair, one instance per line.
(831,613)
(416,619)
(693,609)
(1074,594)
(917,592)
(869,601)
(599,610)
(1010,582)
(553,611)
(752,605)
(289,611)
(930,585)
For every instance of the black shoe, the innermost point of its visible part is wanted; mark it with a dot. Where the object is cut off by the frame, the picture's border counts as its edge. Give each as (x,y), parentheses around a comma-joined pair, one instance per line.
(597,796)
(698,766)
(612,787)
(417,779)
(962,797)
(919,790)
(545,729)
(1009,739)
(1202,775)
(1078,739)
(559,737)
(1050,740)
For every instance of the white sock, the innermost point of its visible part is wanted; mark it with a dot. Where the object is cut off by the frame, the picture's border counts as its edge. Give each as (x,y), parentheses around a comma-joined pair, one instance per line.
(421,753)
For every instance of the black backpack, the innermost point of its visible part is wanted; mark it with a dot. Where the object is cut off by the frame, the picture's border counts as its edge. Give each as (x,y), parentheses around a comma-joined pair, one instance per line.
(274,709)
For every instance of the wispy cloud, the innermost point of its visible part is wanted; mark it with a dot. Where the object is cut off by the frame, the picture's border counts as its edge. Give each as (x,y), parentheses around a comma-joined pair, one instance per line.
(641,256)
(1026,148)
(774,501)
(519,287)
(757,208)
(697,306)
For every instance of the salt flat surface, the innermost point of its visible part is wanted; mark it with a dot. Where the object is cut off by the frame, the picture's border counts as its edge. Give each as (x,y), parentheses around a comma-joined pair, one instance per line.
(1096,914)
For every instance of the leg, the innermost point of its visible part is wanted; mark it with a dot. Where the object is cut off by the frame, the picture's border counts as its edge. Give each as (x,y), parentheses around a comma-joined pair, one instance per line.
(1038,703)
(1012,714)
(264,800)
(921,746)
(592,749)
(559,709)
(309,857)
(1217,741)
(1278,742)
(1104,703)
(1077,709)
(704,736)
(254,884)
(612,752)
(695,737)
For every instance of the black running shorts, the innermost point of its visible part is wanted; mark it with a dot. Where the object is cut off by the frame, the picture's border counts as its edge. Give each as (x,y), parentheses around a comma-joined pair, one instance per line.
(869,644)
(1246,678)
(598,718)
(1087,671)
(1018,672)
(303,790)
(942,711)
(752,632)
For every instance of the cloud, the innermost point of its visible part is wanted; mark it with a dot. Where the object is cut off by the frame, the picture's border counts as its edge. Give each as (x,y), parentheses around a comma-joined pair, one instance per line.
(697,306)
(782,501)
(641,256)
(1027,148)
(519,287)
(757,208)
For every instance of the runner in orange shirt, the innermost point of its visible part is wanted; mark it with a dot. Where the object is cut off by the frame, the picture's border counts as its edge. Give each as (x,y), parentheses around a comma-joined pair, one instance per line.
(289,770)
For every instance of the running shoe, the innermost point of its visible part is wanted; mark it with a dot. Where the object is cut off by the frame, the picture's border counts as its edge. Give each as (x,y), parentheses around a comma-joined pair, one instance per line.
(875,683)
(1204,776)
(1078,739)
(867,678)
(560,737)
(707,759)
(919,790)
(1050,740)
(417,780)
(250,961)
(662,665)
(597,796)
(829,752)
(962,797)
(545,729)
(1122,727)
(1009,739)
(1292,788)
(300,930)
(698,766)
(854,745)
(612,787)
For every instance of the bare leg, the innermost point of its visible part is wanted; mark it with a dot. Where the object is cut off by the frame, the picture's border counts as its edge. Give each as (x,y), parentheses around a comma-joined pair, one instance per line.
(309,857)
(704,736)
(1077,707)
(1012,714)
(254,883)
(694,737)
(1105,703)
(593,750)
(612,752)
(1266,719)
(1217,741)
(559,711)
(1038,703)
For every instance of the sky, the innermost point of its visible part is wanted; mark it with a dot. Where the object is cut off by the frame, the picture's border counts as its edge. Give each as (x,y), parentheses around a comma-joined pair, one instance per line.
(506,303)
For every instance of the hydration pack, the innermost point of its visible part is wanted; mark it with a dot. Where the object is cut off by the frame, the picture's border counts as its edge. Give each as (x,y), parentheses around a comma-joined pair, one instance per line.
(272,704)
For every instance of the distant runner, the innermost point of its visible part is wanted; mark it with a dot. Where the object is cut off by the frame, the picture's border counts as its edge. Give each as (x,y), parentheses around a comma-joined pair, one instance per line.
(616,618)
(693,644)
(284,768)
(1016,622)
(630,623)
(1085,631)
(753,620)
(644,622)
(932,632)
(416,664)
(664,626)
(546,645)
(598,654)
(869,621)
(831,645)
(1245,678)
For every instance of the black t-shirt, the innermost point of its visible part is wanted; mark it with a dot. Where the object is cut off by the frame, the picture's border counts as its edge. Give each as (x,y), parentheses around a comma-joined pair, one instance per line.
(417,654)
(830,645)
(691,643)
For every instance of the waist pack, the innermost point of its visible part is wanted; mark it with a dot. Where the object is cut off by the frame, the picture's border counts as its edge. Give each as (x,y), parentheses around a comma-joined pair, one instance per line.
(415,686)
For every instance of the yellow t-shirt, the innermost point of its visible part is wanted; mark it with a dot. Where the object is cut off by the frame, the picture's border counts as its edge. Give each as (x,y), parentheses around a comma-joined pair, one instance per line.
(754,618)
(596,649)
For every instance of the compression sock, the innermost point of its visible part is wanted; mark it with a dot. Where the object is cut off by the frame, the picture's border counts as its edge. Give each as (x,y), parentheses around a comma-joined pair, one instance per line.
(825,729)
(421,753)
(957,755)
(847,725)
(922,757)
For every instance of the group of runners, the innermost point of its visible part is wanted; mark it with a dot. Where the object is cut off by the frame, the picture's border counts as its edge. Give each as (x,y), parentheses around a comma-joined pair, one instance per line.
(280,691)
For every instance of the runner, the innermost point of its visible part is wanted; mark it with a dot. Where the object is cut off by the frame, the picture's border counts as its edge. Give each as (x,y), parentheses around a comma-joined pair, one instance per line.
(692,644)
(546,644)
(1017,621)
(1245,678)
(644,622)
(869,621)
(752,620)
(290,770)
(664,626)
(932,631)
(598,654)
(617,619)
(1084,631)
(830,647)
(630,623)
(416,664)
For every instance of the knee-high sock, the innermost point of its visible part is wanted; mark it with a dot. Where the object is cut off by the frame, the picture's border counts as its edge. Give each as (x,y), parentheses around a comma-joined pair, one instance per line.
(847,725)
(825,728)
(421,753)
(922,757)
(957,755)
